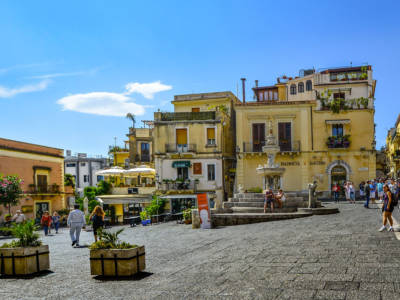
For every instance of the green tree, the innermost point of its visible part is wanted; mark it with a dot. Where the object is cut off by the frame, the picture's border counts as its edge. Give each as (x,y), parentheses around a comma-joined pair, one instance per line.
(10,191)
(69,180)
(131,117)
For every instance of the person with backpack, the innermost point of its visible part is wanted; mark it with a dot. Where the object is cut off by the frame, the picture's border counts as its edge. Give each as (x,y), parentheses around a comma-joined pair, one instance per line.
(97,218)
(387,208)
(367,194)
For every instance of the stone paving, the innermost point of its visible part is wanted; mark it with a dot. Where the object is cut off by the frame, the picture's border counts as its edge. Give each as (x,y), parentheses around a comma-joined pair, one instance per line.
(340,256)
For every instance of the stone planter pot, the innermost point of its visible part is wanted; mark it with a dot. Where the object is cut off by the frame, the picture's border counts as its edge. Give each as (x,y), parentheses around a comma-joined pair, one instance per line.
(24,261)
(117,262)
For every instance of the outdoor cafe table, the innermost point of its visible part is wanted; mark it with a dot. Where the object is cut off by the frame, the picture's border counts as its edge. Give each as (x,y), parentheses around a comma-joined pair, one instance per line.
(132,220)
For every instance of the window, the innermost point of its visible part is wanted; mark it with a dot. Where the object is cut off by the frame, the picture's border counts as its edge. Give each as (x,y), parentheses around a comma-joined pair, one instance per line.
(293,89)
(308,85)
(211,136)
(195,109)
(275,95)
(258,136)
(85,178)
(71,165)
(338,96)
(211,172)
(301,87)
(99,178)
(261,96)
(337,130)
(183,173)
(145,152)
(197,168)
(83,164)
(42,180)
(285,136)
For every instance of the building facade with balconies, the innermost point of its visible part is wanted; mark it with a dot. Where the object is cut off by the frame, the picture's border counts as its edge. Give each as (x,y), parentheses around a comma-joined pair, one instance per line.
(393,150)
(324,126)
(141,145)
(42,170)
(194,146)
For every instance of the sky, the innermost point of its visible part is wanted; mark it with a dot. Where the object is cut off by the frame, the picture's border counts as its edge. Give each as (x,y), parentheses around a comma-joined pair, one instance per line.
(71,70)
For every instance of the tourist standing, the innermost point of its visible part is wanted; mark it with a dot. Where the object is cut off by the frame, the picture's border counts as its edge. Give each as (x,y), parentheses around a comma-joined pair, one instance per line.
(362,188)
(372,192)
(335,190)
(367,194)
(387,208)
(352,193)
(56,221)
(347,191)
(46,222)
(379,187)
(97,218)
(280,198)
(76,220)
(19,217)
(269,199)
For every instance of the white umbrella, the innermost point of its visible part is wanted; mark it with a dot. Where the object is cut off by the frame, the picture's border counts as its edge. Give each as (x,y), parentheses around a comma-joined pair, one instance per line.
(141,170)
(113,171)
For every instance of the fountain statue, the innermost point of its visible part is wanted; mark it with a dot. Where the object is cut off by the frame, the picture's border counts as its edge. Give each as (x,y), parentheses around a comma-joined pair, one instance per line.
(312,195)
(272,172)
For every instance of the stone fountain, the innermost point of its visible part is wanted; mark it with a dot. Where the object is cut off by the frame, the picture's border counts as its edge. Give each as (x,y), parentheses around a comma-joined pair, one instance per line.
(271,171)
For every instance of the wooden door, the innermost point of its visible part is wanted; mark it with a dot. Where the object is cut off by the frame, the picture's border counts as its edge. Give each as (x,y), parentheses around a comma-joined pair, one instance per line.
(285,136)
(258,136)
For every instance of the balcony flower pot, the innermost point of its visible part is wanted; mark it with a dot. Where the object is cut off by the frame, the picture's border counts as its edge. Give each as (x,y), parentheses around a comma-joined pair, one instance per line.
(26,255)
(148,221)
(111,257)
(144,222)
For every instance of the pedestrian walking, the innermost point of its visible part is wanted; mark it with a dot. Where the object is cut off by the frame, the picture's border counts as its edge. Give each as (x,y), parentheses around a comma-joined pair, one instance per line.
(372,192)
(46,222)
(352,193)
(97,218)
(387,208)
(76,221)
(347,191)
(19,217)
(56,221)
(367,194)
(362,188)
(269,199)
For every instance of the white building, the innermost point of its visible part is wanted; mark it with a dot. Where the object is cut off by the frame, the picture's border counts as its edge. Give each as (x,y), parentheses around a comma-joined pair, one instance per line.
(84,169)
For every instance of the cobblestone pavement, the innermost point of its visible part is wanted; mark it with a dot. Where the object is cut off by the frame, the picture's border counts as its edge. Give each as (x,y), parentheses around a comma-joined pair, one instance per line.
(340,256)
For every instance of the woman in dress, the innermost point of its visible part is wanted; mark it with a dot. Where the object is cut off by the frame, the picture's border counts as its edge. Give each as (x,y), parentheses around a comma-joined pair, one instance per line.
(97,218)
(387,208)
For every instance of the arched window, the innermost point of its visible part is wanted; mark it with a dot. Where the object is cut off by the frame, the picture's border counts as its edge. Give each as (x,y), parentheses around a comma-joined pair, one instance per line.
(309,85)
(301,87)
(293,89)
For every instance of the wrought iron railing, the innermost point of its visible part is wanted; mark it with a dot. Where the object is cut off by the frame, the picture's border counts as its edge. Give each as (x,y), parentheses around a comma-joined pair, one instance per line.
(180,148)
(188,116)
(44,189)
(284,146)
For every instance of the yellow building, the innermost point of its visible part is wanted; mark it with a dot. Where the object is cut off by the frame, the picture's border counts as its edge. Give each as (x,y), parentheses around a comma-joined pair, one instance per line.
(194,147)
(393,150)
(141,145)
(323,123)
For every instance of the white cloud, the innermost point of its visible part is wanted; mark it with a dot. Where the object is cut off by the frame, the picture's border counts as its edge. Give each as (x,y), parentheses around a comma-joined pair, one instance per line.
(101,103)
(67,74)
(7,92)
(147,89)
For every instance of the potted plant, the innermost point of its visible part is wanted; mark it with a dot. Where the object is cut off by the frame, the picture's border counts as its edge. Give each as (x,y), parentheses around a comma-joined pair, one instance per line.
(7,217)
(143,217)
(187,216)
(110,256)
(26,255)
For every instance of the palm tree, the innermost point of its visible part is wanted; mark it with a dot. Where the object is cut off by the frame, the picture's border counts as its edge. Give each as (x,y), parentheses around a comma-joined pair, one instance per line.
(132,118)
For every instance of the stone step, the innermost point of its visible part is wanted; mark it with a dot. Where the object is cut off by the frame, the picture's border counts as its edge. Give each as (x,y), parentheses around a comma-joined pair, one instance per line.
(249,218)
(260,210)
(261,204)
(247,200)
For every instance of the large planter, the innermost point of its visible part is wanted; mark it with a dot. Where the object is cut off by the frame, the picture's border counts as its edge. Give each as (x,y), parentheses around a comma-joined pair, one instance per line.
(24,261)
(117,262)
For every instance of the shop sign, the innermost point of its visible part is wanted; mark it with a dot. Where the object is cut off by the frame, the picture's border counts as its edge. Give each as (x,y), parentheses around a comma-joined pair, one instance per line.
(204,211)
(290,163)
(317,163)
(181,164)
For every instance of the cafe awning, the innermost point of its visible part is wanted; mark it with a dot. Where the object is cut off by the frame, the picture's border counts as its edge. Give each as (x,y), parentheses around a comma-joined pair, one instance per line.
(181,164)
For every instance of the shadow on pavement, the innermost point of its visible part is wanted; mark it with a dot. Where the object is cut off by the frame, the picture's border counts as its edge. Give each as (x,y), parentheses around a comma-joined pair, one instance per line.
(30,276)
(136,277)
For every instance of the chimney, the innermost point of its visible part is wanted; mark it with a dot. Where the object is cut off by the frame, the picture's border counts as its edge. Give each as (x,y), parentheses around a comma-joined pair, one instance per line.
(68,153)
(256,83)
(243,89)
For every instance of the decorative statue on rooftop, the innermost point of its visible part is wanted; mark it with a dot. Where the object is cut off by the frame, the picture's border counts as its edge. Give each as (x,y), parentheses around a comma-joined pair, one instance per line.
(311,194)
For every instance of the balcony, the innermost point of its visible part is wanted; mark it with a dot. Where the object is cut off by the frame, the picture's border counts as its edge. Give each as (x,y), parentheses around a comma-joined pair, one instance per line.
(338,142)
(44,189)
(145,158)
(180,148)
(187,116)
(178,185)
(284,146)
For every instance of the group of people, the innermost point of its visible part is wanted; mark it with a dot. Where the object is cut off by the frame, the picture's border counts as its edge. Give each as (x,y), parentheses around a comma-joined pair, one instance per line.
(76,221)
(270,198)
(349,191)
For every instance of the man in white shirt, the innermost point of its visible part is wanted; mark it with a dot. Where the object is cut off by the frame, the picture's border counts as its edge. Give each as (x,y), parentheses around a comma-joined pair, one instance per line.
(19,217)
(76,220)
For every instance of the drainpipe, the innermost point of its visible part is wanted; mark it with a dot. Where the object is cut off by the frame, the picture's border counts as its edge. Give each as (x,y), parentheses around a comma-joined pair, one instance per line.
(312,133)
(243,89)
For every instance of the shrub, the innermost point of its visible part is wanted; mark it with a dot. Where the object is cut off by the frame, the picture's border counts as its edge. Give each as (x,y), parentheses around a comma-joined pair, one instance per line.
(25,234)
(187,214)
(10,191)
(110,240)
(143,215)
(69,180)
(255,190)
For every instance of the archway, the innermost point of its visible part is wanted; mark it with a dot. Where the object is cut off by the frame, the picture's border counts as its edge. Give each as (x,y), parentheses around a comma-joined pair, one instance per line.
(338,176)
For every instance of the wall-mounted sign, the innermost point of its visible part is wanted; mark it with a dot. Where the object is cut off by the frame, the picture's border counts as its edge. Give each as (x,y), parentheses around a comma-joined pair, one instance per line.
(317,163)
(290,163)
(363,169)
(204,211)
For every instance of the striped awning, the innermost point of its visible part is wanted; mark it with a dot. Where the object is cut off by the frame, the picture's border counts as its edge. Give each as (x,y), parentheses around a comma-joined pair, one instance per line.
(343,121)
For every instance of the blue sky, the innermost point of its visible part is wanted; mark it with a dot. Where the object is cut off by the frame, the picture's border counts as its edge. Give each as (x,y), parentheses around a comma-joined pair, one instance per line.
(105,58)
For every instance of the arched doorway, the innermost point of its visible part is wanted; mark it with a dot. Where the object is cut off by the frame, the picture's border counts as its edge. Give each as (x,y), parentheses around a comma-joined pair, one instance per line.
(338,176)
